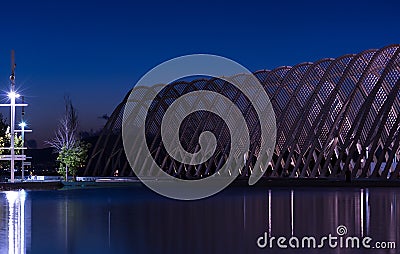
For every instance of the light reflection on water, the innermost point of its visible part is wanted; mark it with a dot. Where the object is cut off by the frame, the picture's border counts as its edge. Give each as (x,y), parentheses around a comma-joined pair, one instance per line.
(135,220)
(15,223)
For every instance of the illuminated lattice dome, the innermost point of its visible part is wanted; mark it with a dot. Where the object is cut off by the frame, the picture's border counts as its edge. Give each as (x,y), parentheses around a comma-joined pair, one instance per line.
(332,116)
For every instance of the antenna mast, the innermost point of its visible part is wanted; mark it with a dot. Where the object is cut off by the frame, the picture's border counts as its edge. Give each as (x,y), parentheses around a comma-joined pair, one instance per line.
(12,76)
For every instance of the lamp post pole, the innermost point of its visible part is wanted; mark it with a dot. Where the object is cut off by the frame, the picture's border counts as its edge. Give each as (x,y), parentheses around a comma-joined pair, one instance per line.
(12,98)
(12,137)
(22,124)
(22,152)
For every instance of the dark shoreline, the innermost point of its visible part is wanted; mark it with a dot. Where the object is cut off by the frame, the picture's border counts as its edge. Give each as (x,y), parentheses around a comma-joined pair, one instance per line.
(265,183)
(31,185)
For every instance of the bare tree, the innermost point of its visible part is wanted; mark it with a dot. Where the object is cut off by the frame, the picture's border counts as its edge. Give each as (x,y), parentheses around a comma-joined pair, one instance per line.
(66,135)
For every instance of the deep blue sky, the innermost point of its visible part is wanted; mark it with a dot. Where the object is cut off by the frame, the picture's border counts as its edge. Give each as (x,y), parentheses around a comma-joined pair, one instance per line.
(96,51)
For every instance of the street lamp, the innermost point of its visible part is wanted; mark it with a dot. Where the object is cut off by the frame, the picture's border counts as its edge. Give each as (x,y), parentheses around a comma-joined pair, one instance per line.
(12,95)
(22,125)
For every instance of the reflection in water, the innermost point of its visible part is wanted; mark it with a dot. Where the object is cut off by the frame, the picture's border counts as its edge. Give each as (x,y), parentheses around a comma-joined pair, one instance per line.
(367,209)
(127,220)
(291,211)
(269,212)
(361,204)
(18,223)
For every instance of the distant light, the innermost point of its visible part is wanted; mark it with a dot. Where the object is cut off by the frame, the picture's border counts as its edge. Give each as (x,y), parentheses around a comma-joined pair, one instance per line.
(22,124)
(12,95)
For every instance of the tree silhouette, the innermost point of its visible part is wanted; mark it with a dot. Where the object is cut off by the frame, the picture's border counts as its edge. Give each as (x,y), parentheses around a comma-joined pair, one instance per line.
(71,151)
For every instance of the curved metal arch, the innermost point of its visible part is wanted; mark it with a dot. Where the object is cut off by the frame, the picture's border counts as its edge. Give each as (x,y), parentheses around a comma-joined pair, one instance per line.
(295,105)
(314,140)
(395,173)
(358,117)
(261,75)
(272,84)
(289,83)
(329,111)
(340,118)
(374,66)
(336,68)
(273,80)
(381,116)
(363,113)
(289,78)
(150,93)
(380,122)
(100,150)
(301,121)
(183,167)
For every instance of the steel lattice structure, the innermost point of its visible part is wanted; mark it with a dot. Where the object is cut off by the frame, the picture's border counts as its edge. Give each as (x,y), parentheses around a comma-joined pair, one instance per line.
(332,116)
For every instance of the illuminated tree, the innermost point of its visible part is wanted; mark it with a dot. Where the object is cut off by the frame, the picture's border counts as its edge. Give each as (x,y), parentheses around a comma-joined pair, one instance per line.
(71,159)
(5,140)
(72,153)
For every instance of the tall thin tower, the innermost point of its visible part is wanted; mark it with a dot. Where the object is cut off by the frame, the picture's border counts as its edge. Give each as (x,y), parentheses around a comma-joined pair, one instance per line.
(12,127)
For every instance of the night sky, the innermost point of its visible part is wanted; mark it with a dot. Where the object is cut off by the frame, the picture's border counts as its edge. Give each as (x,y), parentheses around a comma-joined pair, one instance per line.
(96,51)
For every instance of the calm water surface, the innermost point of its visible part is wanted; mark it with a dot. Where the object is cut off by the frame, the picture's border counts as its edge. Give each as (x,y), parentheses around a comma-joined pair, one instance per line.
(136,220)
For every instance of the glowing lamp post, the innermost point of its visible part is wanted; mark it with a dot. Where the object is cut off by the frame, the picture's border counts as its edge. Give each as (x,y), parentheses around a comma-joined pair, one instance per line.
(12,95)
